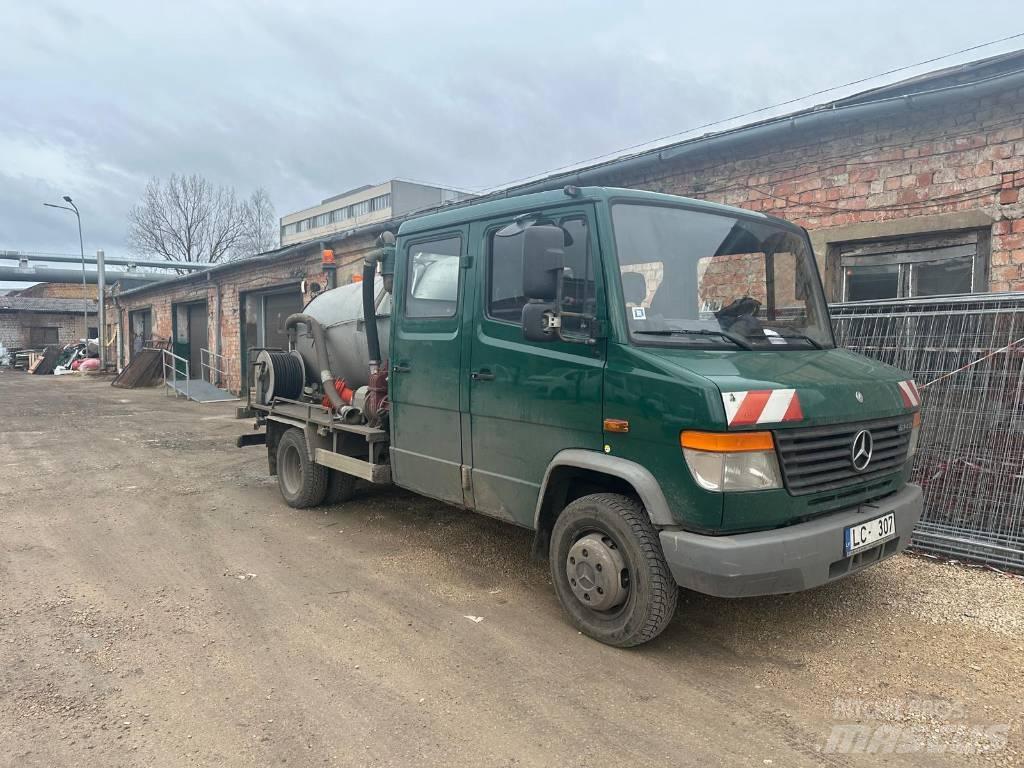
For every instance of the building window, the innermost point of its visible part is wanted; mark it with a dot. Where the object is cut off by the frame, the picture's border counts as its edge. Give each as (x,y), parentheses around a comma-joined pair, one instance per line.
(433,278)
(40,336)
(359,209)
(339,215)
(380,202)
(938,264)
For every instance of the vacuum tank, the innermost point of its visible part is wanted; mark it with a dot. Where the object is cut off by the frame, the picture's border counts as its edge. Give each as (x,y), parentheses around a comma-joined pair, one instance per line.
(340,312)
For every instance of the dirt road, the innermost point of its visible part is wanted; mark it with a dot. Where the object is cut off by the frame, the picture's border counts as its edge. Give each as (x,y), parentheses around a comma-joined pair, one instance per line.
(161,606)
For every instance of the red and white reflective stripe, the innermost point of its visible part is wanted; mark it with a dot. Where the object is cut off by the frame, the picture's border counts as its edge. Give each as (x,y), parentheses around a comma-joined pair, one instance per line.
(908,390)
(761,406)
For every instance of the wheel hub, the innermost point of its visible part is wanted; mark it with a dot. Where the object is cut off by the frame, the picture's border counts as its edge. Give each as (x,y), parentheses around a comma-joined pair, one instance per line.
(290,470)
(596,572)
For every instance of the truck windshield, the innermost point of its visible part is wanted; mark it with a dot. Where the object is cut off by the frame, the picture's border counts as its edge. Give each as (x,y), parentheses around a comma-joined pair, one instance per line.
(712,280)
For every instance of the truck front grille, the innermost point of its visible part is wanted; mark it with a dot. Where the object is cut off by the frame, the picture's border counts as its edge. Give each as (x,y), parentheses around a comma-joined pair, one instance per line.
(817,459)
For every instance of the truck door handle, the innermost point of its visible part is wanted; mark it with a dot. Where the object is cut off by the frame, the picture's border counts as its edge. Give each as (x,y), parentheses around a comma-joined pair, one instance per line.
(400,369)
(482,375)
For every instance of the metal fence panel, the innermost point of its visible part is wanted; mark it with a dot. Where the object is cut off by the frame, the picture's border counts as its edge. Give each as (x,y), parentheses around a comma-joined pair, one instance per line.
(966,354)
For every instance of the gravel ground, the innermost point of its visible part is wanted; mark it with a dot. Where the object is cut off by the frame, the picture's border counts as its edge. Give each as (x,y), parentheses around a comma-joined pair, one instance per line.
(161,606)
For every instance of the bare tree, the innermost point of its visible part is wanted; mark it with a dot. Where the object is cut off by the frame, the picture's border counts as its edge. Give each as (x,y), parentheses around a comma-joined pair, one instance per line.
(188,219)
(259,230)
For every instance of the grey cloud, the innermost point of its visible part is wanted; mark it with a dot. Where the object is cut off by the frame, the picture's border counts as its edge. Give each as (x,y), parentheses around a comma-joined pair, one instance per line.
(309,99)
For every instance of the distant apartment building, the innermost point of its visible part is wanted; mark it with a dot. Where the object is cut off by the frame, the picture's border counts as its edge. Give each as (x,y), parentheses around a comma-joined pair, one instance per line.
(363,205)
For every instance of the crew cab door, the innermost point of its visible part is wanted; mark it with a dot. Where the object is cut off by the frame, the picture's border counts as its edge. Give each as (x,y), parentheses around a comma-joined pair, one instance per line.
(425,380)
(529,400)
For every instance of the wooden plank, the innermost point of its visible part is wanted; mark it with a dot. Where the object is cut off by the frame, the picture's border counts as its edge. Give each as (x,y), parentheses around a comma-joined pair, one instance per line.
(910,257)
(375,473)
(909,243)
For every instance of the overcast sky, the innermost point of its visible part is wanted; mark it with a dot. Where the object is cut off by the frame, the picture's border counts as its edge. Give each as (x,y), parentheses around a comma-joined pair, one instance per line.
(309,99)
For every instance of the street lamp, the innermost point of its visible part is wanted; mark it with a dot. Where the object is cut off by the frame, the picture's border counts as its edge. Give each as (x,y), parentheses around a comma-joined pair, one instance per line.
(81,246)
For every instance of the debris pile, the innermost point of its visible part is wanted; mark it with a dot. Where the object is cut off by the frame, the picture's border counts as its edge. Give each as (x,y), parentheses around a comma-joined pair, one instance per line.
(44,364)
(53,359)
(74,355)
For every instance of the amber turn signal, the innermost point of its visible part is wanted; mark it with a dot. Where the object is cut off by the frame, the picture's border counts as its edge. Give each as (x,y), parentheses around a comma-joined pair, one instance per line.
(727,442)
(616,425)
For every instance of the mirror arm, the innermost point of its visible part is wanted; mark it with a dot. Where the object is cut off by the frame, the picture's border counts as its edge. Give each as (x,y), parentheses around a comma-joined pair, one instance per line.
(559,296)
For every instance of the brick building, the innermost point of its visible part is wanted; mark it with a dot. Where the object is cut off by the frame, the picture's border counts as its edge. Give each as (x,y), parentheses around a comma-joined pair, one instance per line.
(58,291)
(909,190)
(231,307)
(32,322)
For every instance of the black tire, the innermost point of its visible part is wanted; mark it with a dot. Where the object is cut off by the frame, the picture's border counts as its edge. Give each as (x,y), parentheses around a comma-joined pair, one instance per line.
(652,592)
(303,483)
(340,487)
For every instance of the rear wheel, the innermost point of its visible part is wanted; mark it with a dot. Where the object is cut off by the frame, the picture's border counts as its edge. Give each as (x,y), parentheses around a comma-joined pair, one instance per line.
(340,487)
(302,482)
(609,572)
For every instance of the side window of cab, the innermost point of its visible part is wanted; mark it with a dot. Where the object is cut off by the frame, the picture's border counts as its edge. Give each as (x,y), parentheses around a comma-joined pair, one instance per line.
(432,280)
(505,301)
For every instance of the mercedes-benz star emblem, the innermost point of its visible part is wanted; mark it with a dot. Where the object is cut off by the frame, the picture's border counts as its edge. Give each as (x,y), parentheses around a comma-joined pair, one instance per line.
(859,396)
(860,453)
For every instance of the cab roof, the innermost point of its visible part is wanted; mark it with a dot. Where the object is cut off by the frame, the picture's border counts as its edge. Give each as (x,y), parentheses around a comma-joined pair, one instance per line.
(511,206)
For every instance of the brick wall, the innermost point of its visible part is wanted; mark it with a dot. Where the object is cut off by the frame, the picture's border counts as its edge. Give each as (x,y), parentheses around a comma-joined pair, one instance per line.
(965,156)
(233,283)
(59,291)
(15,327)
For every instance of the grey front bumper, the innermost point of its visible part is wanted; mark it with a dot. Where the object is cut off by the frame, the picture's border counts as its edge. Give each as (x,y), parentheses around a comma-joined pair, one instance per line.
(787,559)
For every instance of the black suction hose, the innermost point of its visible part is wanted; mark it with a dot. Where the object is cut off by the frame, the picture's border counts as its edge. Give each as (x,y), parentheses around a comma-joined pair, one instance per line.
(320,345)
(370,314)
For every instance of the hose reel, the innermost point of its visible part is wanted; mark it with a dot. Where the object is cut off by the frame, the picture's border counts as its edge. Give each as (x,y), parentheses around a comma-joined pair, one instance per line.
(279,374)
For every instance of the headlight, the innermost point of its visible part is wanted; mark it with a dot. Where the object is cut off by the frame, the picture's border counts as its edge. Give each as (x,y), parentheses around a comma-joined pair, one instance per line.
(915,432)
(743,461)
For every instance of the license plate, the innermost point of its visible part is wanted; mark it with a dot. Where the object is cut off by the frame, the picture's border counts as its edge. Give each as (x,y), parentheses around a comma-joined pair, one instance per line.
(869,533)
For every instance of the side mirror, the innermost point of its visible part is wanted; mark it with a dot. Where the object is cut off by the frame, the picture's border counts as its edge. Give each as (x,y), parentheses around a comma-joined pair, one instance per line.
(540,321)
(543,261)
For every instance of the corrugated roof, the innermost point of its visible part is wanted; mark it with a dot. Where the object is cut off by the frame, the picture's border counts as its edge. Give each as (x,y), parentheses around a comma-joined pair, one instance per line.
(42,304)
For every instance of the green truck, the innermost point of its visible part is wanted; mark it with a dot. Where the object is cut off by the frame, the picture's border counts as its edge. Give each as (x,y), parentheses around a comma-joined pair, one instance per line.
(649,383)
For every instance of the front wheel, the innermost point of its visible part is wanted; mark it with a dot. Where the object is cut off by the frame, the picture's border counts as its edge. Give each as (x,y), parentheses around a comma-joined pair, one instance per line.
(609,572)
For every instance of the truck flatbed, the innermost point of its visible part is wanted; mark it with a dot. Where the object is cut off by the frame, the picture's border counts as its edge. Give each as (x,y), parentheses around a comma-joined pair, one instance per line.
(298,414)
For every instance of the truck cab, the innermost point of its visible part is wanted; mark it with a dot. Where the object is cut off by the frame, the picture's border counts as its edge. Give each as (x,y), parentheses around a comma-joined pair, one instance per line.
(651,384)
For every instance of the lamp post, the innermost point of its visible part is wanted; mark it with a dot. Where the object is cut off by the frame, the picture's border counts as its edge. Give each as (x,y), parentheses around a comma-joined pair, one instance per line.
(81,246)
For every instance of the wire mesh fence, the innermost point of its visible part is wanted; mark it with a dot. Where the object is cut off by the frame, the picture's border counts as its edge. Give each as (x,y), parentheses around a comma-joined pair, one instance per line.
(967,355)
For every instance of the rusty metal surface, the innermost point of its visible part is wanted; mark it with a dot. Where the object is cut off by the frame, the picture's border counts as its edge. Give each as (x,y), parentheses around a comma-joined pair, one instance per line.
(143,371)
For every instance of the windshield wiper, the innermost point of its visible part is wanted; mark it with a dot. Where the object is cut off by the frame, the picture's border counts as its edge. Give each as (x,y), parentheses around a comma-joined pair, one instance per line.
(736,339)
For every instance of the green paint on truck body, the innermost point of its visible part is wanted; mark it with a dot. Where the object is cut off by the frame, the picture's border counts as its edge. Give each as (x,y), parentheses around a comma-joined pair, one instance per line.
(479,413)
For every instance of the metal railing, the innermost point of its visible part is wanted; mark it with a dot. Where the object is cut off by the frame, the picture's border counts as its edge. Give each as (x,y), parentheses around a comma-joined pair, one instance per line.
(170,363)
(967,355)
(211,363)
